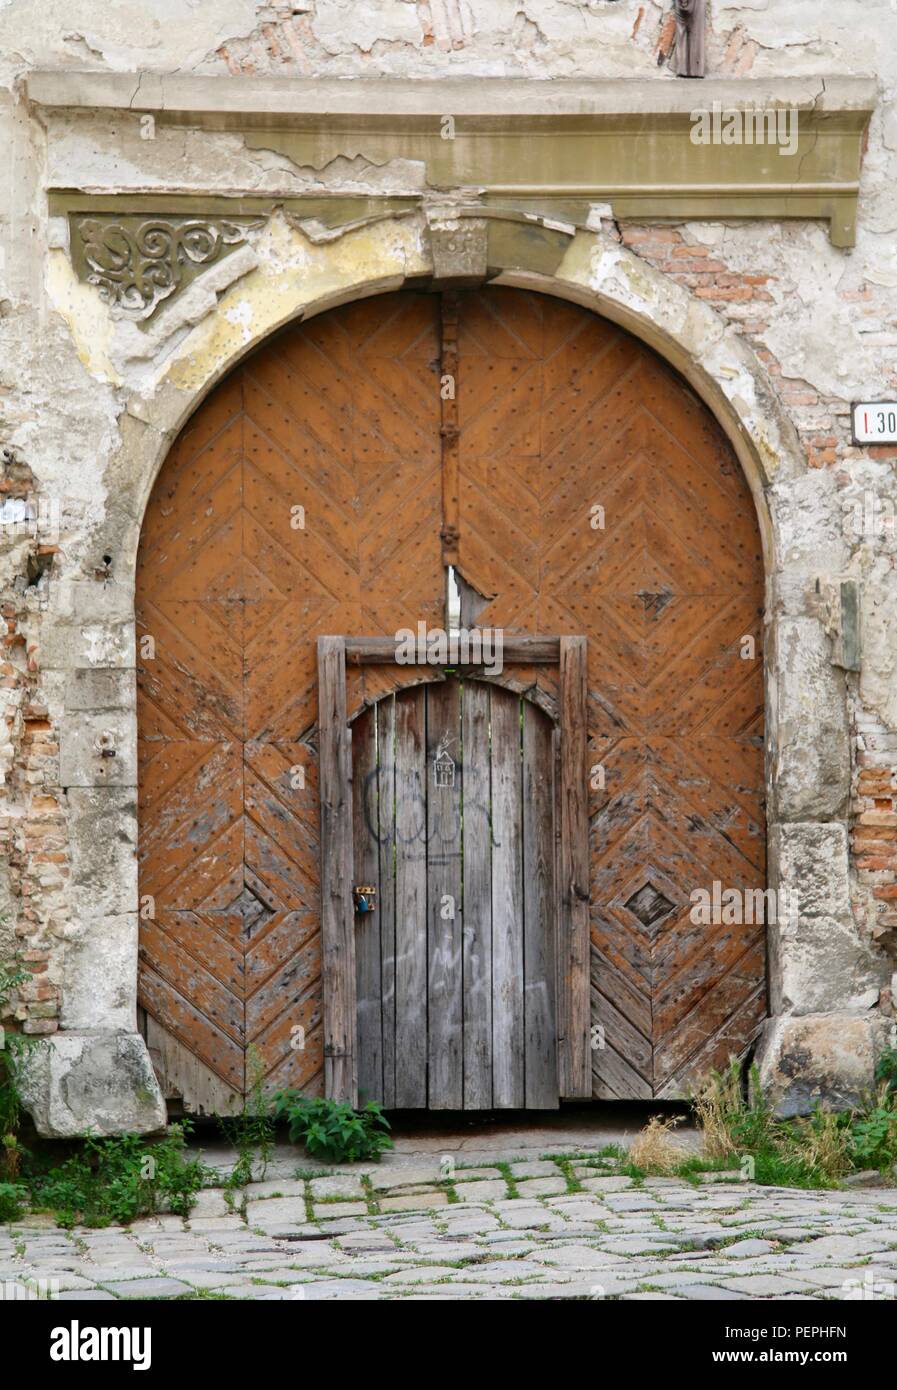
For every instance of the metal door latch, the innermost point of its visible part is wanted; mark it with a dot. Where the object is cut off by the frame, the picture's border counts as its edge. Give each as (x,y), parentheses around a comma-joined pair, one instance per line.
(365,897)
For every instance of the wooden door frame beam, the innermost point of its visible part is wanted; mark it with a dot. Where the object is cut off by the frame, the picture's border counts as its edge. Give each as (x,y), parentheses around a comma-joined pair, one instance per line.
(574,1004)
(449,431)
(520,650)
(337,911)
(337,908)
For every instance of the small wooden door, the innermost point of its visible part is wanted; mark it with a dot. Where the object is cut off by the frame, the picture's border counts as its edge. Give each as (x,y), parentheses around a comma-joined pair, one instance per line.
(453,828)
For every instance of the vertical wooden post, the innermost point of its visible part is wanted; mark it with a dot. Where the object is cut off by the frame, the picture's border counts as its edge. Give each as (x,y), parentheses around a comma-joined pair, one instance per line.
(691,24)
(449,429)
(575,1061)
(337,907)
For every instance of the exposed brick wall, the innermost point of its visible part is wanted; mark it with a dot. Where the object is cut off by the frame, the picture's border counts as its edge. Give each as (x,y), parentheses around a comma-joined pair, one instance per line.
(874,836)
(822,422)
(33,835)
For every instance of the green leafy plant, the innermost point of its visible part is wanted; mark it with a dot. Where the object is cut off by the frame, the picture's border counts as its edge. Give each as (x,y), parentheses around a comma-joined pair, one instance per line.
(14,1048)
(813,1151)
(12,1200)
(886,1069)
(252,1132)
(333,1131)
(119,1179)
(873,1132)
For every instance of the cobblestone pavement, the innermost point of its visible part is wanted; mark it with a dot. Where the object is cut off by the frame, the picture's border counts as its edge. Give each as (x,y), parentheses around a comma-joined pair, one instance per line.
(547,1229)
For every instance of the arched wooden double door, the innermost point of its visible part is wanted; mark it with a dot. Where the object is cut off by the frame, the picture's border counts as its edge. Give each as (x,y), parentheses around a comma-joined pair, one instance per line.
(589,492)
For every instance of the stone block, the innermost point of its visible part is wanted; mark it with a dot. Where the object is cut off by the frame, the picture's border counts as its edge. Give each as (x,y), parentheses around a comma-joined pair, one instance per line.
(277,1210)
(68,645)
(98,749)
(149,1288)
(810,859)
(458,245)
(821,966)
(103,850)
(89,689)
(276,1187)
(100,973)
(423,1202)
(102,1082)
(820,1057)
(210,1202)
(541,1187)
(810,757)
(331,1211)
(536,1168)
(340,1185)
(810,520)
(93,600)
(482,1191)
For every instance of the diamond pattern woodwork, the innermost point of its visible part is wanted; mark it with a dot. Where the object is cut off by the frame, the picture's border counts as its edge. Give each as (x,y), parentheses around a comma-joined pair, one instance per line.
(597,496)
(338,418)
(563,414)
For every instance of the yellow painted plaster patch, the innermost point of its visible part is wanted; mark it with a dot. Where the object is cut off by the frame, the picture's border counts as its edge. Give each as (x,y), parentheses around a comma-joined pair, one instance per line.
(576,266)
(292,274)
(86,315)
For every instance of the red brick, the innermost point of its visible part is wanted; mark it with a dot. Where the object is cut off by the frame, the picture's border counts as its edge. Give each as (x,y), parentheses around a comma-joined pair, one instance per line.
(727,295)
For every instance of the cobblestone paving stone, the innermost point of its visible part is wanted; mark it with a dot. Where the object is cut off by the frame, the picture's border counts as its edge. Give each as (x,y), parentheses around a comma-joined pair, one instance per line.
(531,1230)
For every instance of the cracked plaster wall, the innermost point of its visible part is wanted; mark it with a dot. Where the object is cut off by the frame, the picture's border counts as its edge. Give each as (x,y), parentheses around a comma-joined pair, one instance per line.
(823,321)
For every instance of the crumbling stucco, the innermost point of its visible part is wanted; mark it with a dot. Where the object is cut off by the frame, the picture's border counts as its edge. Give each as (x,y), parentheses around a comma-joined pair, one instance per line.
(778,337)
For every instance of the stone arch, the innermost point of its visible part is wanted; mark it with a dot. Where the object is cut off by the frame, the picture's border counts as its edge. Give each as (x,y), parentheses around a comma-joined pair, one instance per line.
(292,278)
(591,269)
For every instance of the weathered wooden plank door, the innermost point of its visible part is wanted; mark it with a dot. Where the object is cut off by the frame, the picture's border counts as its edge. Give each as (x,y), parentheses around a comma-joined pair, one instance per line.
(598,495)
(454,828)
(578,487)
(302,498)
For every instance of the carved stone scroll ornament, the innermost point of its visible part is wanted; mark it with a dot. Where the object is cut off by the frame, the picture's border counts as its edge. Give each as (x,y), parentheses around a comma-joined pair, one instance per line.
(138,262)
(690,30)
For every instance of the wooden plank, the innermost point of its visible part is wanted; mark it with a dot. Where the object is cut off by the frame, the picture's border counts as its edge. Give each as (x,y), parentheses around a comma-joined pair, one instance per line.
(183,1076)
(477,921)
(539,912)
(508,1087)
(445,1090)
(616,1079)
(337,917)
(411,901)
(186,1021)
(733,1039)
(448,428)
(366,857)
(573,895)
(619,1033)
(517,650)
(386,752)
(203,978)
(609,981)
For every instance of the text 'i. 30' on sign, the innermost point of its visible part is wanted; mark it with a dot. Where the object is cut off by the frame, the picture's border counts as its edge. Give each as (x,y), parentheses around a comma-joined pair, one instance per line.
(874,422)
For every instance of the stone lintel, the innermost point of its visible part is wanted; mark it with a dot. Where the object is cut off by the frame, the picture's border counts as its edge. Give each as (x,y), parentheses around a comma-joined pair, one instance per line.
(794,151)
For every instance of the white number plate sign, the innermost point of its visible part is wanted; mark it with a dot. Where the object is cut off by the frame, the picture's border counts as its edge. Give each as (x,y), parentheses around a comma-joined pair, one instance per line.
(874,422)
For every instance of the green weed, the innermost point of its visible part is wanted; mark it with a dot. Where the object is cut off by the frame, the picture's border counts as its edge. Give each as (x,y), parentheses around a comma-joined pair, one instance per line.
(333,1131)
